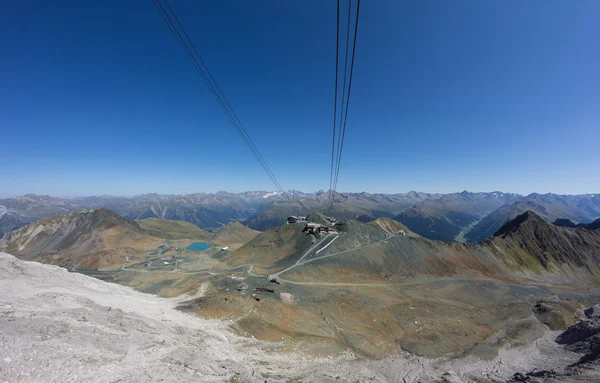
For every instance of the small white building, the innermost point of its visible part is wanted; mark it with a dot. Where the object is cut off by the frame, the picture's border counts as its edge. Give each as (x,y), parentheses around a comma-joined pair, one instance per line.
(226,248)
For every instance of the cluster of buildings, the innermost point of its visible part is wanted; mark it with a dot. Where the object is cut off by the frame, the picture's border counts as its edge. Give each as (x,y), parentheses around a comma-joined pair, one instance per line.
(294,219)
(311,227)
(300,218)
(316,228)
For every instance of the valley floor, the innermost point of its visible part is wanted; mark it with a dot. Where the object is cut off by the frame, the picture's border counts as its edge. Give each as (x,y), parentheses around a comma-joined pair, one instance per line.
(67,327)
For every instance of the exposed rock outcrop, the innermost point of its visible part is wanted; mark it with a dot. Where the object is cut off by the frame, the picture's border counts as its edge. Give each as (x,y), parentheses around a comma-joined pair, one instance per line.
(584,337)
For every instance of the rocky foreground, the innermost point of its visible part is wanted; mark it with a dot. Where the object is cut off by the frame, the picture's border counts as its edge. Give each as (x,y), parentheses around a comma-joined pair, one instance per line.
(66,327)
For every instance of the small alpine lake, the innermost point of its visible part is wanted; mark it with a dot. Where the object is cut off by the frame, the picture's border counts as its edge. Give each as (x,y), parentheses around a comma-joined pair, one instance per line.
(199,246)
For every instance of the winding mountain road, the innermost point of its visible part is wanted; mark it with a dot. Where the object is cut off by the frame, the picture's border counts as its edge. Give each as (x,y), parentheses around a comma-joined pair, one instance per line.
(299,263)
(421,282)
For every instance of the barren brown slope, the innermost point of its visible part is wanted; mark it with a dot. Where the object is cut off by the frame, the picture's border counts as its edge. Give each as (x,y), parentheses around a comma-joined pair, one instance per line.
(281,247)
(526,248)
(426,297)
(392,227)
(172,229)
(274,245)
(234,233)
(401,259)
(529,244)
(92,239)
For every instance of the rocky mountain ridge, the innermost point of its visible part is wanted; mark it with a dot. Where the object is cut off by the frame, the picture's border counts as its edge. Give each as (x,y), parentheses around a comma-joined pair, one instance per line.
(459,217)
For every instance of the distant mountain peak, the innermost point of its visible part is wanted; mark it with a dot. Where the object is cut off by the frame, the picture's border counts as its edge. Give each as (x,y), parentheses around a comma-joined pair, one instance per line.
(528,218)
(568,223)
(234,233)
(564,222)
(534,195)
(107,216)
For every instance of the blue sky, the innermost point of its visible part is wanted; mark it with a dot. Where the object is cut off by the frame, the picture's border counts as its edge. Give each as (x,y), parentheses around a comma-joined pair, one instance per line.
(98,98)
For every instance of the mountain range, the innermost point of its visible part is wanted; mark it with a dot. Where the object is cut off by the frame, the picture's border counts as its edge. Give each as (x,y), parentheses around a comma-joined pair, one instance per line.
(367,287)
(102,239)
(364,288)
(460,217)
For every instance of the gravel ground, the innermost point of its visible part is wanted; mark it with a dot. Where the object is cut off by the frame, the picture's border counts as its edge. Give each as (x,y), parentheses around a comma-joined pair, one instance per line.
(57,326)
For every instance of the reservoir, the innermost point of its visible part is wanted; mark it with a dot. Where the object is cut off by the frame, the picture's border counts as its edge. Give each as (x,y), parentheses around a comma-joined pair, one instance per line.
(199,246)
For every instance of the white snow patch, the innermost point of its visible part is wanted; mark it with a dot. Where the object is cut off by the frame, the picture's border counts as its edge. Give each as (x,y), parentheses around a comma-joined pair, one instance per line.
(271,194)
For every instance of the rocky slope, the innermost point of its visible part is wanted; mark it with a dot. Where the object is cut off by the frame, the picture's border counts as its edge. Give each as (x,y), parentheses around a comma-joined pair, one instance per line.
(529,244)
(374,293)
(581,208)
(391,227)
(371,292)
(582,339)
(102,239)
(92,239)
(526,247)
(287,241)
(61,326)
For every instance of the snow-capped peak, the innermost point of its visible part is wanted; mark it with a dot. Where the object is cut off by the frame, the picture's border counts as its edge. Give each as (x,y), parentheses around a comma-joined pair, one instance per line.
(271,194)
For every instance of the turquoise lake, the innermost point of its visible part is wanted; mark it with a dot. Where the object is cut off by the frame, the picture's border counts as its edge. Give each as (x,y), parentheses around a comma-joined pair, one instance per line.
(199,246)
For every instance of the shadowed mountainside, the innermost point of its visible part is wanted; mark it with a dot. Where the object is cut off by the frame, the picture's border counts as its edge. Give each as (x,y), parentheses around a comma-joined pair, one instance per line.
(563,222)
(445,218)
(583,208)
(558,254)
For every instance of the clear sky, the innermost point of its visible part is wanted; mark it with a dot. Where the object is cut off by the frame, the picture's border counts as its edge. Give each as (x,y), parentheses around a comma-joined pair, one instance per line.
(96,97)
